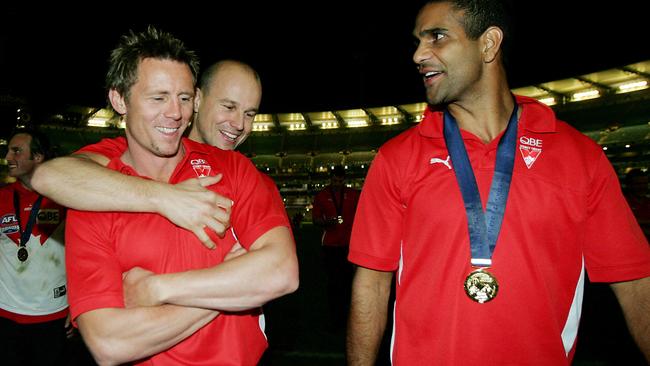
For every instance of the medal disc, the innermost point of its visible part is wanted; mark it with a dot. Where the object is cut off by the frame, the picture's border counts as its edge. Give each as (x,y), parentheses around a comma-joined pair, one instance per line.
(481,286)
(339,219)
(22,254)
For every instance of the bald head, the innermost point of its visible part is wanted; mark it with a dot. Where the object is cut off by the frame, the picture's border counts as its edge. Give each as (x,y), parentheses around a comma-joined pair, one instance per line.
(229,97)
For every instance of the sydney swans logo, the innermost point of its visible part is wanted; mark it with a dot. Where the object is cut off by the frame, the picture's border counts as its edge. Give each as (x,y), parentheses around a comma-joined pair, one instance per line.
(530,149)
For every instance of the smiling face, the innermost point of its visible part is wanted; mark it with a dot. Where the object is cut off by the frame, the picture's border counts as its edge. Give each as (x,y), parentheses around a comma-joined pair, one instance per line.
(159,107)
(227,106)
(20,160)
(449,62)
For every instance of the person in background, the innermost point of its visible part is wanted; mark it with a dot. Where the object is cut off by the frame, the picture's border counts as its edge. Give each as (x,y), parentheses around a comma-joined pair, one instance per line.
(333,210)
(489,213)
(33,292)
(123,312)
(636,192)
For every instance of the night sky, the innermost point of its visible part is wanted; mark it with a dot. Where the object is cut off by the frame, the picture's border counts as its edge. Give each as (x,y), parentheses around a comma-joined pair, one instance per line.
(311,56)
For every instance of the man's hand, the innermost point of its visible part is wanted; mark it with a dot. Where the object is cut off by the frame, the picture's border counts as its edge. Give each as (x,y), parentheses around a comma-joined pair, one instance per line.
(136,287)
(69,328)
(193,207)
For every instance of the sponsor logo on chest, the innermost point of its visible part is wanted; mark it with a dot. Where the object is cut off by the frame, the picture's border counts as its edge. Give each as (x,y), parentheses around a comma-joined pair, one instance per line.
(446,162)
(201,167)
(9,224)
(531,149)
(48,216)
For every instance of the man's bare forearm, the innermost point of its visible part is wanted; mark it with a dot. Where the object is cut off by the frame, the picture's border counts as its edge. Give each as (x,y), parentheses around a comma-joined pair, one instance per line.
(81,182)
(269,270)
(115,335)
(634,297)
(368,315)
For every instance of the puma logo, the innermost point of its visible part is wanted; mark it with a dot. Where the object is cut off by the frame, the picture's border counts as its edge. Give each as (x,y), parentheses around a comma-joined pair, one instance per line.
(446,162)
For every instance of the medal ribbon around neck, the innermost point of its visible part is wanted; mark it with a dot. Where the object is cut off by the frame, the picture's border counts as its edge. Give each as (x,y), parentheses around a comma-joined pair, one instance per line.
(25,234)
(483,227)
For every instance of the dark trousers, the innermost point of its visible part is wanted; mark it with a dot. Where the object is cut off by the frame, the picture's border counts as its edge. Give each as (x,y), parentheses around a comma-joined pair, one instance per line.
(339,282)
(32,344)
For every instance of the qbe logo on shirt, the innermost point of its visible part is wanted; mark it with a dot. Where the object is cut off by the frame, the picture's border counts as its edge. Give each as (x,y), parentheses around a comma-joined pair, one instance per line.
(48,216)
(530,149)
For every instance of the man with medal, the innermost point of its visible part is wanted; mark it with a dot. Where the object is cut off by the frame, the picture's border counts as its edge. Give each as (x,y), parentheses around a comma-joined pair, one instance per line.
(333,211)
(33,293)
(490,213)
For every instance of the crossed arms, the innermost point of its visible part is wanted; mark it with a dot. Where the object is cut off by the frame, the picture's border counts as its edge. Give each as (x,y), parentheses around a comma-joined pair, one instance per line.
(162,310)
(193,298)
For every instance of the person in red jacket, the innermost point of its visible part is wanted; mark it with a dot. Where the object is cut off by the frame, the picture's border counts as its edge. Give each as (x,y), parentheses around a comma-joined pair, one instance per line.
(333,210)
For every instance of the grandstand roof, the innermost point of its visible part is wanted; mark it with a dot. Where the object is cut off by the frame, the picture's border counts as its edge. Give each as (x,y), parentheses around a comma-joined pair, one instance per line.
(312,56)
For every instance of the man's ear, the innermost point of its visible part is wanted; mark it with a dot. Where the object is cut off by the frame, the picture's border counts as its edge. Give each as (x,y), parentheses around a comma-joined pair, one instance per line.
(38,158)
(491,41)
(117,101)
(197,100)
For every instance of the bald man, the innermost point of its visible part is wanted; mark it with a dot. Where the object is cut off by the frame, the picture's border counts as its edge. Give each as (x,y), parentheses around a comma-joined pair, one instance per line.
(228,98)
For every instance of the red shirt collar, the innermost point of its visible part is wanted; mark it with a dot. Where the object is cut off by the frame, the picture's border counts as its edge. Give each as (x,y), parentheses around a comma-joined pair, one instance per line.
(535,117)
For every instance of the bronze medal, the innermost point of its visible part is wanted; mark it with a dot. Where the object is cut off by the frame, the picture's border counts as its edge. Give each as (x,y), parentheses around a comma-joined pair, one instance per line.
(481,286)
(339,219)
(22,254)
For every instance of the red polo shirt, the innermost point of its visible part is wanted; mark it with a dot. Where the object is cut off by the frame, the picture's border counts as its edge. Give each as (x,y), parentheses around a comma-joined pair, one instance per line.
(103,245)
(565,214)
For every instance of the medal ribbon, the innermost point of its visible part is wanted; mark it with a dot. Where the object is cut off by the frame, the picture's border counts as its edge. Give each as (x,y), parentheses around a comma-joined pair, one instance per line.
(483,227)
(24,235)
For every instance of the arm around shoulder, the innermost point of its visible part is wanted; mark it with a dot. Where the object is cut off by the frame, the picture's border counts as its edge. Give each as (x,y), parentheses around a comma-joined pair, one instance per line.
(82,182)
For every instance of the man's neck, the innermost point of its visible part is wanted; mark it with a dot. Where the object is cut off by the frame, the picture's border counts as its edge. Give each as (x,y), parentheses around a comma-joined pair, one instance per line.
(485,116)
(25,181)
(146,164)
(194,134)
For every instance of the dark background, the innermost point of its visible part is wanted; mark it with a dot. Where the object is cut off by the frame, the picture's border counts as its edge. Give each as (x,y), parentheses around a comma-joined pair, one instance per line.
(312,56)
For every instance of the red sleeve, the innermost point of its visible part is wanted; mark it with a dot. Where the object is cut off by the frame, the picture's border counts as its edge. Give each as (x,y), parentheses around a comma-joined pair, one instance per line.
(615,247)
(94,274)
(377,231)
(110,148)
(273,188)
(257,206)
